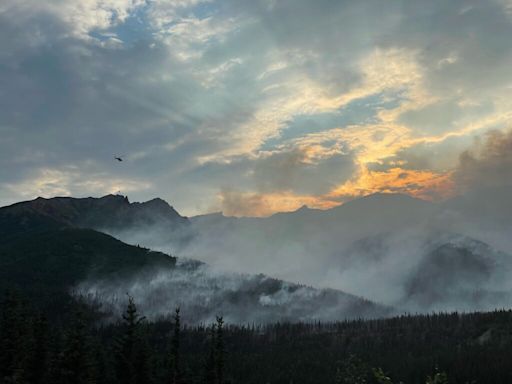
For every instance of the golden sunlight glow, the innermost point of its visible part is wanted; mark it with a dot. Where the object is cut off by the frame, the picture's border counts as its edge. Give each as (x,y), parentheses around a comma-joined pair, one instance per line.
(235,203)
(426,185)
(396,71)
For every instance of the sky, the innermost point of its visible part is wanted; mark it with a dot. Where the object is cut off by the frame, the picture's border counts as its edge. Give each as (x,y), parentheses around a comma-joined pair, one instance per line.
(250,107)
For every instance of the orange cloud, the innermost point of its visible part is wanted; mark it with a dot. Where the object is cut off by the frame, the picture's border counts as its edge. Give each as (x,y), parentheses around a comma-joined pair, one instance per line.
(426,185)
(237,203)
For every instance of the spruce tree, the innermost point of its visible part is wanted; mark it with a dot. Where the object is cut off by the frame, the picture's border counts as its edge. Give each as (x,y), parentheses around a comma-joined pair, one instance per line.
(210,374)
(131,356)
(219,351)
(76,364)
(15,340)
(142,363)
(54,353)
(352,371)
(38,361)
(103,373)
(175,376)
(380,376)
(437,378)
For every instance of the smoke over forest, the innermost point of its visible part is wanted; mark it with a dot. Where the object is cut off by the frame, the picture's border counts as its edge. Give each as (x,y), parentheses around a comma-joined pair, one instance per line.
(401,252)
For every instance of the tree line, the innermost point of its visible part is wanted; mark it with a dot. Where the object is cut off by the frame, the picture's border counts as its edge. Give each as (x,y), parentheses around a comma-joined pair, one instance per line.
(78,347)
(31,351)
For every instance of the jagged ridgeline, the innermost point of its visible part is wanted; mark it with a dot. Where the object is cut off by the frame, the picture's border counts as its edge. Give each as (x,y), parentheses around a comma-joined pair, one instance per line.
(408,253)
(48,251)
(55,254)
(111,211)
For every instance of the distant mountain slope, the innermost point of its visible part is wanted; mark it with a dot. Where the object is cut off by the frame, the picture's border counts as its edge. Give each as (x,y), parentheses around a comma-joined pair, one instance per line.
(390,248)
(427,271)
(357,218)
(111,211)
(382,246)
(461,273)
(56,260)
(306,245)
(49,264)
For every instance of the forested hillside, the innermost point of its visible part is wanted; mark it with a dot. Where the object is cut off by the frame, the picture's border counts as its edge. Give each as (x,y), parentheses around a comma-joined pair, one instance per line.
(46,253)
(441,348)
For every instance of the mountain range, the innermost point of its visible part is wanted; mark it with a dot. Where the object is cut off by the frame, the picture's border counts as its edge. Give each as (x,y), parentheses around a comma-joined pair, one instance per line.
(393,249)
(54,249)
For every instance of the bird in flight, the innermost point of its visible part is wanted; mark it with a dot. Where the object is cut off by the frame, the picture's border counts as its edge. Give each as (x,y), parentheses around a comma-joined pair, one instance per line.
(118,158)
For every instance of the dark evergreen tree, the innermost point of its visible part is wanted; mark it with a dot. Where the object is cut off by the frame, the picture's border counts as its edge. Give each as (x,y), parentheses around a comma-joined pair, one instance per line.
(437,378)
(219,351)
(37,364)
(103,374)
(210,374)
(76,364)
(131,356)
(380,376)
(175,374)
(54,353)
(142,363)
(15,343)
(352,371)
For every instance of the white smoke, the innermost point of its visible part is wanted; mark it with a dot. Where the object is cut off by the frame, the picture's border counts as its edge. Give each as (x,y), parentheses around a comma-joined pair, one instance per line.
(203,292)
(376,247)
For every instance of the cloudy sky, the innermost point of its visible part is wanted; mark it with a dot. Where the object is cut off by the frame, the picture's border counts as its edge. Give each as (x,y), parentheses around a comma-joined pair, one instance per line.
(253,106)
